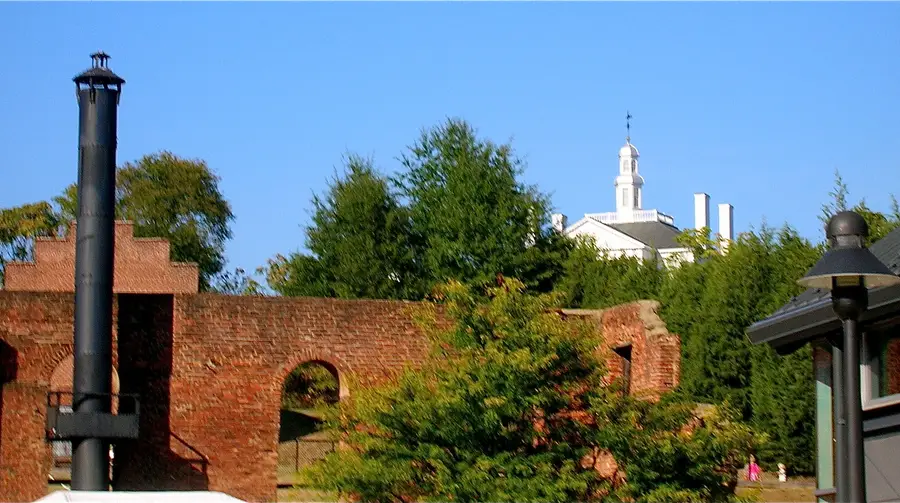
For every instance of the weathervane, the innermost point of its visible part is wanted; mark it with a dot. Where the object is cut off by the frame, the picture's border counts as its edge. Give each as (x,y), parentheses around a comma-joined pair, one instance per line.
(628,126)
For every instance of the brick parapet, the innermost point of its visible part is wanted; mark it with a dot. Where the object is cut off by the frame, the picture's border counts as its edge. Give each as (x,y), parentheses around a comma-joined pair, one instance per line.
(142,265)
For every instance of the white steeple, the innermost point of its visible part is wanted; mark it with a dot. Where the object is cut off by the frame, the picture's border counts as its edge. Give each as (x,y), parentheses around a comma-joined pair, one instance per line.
(629,183)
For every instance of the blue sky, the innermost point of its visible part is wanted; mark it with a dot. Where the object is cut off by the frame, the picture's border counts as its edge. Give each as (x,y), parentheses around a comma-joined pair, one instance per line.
(753,103)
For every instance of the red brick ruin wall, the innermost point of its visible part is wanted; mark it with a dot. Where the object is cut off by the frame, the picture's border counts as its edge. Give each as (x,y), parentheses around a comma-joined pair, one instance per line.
(141,266)
(209,371)
(655,353)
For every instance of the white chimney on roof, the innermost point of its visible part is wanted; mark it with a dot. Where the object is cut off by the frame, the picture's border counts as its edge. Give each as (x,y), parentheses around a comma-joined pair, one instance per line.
(701,210)
(726,225)
(559,222)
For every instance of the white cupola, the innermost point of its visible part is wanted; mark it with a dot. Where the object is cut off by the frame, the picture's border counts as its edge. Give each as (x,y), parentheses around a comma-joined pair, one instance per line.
(629,182)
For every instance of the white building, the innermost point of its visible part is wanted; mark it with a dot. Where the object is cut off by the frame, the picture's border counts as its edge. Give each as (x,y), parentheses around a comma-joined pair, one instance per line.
(634,231)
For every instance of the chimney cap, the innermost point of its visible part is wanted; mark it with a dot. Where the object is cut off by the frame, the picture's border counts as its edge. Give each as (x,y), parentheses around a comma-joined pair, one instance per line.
(99,74)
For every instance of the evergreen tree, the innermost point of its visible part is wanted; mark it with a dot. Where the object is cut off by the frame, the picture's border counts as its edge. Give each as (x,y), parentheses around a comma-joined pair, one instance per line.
(592,279)
(470,213)
(360,242)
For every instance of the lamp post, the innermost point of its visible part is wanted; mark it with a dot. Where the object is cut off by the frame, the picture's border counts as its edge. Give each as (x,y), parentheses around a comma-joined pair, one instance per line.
(849,269)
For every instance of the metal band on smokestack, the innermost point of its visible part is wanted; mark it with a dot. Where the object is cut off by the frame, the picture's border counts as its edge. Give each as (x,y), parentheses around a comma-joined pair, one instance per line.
(98,90)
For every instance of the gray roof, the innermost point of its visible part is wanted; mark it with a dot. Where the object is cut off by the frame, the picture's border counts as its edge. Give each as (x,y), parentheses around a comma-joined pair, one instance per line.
(809,314)
(654,234)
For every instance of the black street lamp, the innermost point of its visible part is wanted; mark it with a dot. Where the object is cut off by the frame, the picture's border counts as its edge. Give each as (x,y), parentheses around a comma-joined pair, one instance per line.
(849,269)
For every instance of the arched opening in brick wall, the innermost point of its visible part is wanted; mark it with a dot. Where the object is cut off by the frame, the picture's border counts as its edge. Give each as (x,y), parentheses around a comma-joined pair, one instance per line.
(61,451)
(307,390)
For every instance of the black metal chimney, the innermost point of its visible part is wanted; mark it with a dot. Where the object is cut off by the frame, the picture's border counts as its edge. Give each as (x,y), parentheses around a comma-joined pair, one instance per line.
(98,90)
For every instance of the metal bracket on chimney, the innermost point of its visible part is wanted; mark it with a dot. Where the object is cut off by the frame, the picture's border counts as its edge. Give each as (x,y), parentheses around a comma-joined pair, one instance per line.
(65,424)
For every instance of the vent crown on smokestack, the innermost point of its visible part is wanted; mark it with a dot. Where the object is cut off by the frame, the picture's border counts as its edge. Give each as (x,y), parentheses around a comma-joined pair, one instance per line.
(99,76)
(99,72)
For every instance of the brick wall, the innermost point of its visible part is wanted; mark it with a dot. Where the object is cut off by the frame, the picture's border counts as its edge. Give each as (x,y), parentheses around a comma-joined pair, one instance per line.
(892,364)
(655,353)
(209,368)
(141,266)
(36,334)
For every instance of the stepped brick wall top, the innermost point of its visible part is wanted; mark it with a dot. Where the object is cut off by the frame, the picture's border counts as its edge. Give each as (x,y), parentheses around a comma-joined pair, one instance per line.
(142,265)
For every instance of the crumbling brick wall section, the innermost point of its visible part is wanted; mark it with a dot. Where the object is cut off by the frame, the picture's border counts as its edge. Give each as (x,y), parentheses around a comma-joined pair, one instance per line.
(655,353)
(141,266)
(209,368)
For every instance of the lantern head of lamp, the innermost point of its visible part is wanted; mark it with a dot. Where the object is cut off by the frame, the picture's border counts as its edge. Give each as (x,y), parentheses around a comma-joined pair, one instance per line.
(848,268)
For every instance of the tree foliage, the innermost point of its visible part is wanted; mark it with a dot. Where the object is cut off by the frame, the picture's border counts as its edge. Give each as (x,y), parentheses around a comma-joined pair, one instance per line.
(237,282)
(880,223)
(164,195)
(711,304)
(511,407)
(309,385)
(360,242)
(457,210)
(593,279)
(18,228)
(472,214)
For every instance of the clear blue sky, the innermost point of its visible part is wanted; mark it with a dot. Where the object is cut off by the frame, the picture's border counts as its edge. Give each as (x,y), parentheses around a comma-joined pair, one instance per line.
(753,103)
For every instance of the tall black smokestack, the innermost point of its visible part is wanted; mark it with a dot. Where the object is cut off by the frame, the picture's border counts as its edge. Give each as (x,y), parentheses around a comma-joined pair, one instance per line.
(98,90)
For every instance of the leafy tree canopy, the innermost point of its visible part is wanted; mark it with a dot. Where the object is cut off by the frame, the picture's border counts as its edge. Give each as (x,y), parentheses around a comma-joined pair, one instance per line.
(457,210)
(174,198)
(18,228)
(511,407)
(468,207)
(360,241)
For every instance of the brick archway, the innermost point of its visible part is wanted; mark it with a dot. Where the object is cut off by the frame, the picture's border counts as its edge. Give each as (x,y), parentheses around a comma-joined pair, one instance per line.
(300,440)
(334,363)
(61,377)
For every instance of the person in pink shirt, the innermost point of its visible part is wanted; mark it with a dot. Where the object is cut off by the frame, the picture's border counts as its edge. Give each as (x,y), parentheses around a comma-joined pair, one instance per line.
(753,471)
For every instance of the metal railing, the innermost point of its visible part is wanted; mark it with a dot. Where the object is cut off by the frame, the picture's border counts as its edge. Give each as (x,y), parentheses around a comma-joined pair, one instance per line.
(201,459)
(613,217)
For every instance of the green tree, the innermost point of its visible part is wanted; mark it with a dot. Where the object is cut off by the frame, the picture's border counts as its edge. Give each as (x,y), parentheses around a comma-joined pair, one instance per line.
(880,224)
(298,275)
(237,282)
(471,215)
(170,197)
(716,366)
(711,304)
(593,279)
(511,407)
(360,243)
(18,228)
(700,242)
